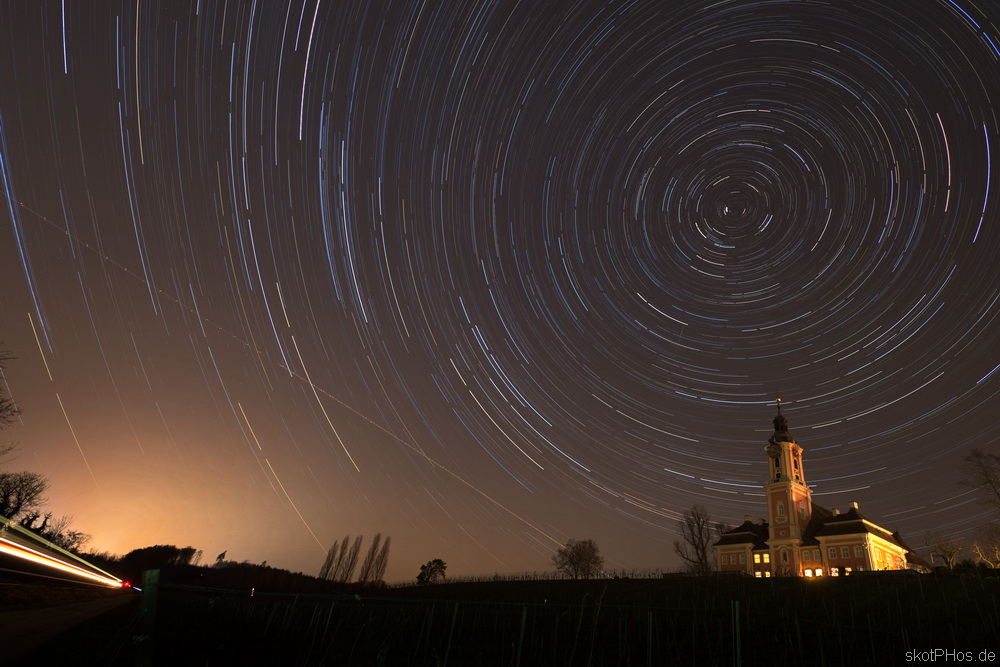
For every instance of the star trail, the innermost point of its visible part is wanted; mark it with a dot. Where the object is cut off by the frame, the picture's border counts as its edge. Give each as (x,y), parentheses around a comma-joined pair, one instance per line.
(485,276)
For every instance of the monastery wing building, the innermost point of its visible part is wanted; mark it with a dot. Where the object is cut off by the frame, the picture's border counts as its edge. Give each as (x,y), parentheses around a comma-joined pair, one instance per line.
(800,538)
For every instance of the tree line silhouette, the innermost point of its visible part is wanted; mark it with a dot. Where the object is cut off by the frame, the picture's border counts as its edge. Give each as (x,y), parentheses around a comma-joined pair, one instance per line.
(342,559)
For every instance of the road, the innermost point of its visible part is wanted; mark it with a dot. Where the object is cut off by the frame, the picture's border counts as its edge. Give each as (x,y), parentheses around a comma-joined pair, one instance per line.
(22,631)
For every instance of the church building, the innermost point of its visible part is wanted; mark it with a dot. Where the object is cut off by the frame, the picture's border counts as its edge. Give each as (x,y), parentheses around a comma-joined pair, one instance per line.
(799,537)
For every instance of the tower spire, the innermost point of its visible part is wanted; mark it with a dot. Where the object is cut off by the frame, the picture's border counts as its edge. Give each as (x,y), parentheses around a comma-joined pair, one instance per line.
(780,423)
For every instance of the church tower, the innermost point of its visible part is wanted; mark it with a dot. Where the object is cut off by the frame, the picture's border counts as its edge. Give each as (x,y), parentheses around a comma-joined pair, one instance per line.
(789,500)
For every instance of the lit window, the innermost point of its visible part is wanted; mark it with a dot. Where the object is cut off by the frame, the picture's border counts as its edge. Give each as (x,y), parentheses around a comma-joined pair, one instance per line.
(808,573)
(758,574)
(767,573)
(756,558)
(847,570)
(845,552)
(834,572)
(819,572)
(767,558)
(832,552)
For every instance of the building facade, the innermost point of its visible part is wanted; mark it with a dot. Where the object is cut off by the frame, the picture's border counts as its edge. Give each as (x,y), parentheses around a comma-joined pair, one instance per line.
(801,538)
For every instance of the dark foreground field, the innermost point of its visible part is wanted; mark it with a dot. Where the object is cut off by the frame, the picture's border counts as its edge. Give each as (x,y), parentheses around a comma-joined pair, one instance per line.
(861,620)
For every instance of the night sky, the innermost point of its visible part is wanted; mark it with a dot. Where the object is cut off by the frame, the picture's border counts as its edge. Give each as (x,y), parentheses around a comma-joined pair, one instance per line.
(485,276)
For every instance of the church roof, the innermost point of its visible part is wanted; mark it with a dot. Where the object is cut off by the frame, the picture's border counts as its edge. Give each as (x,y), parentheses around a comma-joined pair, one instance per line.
(853,522)
(816,523)
(748,532)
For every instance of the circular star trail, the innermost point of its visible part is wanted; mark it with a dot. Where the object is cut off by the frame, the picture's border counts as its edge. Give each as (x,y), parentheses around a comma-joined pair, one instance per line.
(487,276)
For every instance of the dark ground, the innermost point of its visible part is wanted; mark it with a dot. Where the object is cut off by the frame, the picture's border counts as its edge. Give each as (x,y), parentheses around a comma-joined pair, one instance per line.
(47,621)
(873,619)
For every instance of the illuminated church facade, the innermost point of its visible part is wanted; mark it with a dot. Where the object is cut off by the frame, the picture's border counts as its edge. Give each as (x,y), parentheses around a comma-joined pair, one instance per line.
(801,538)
